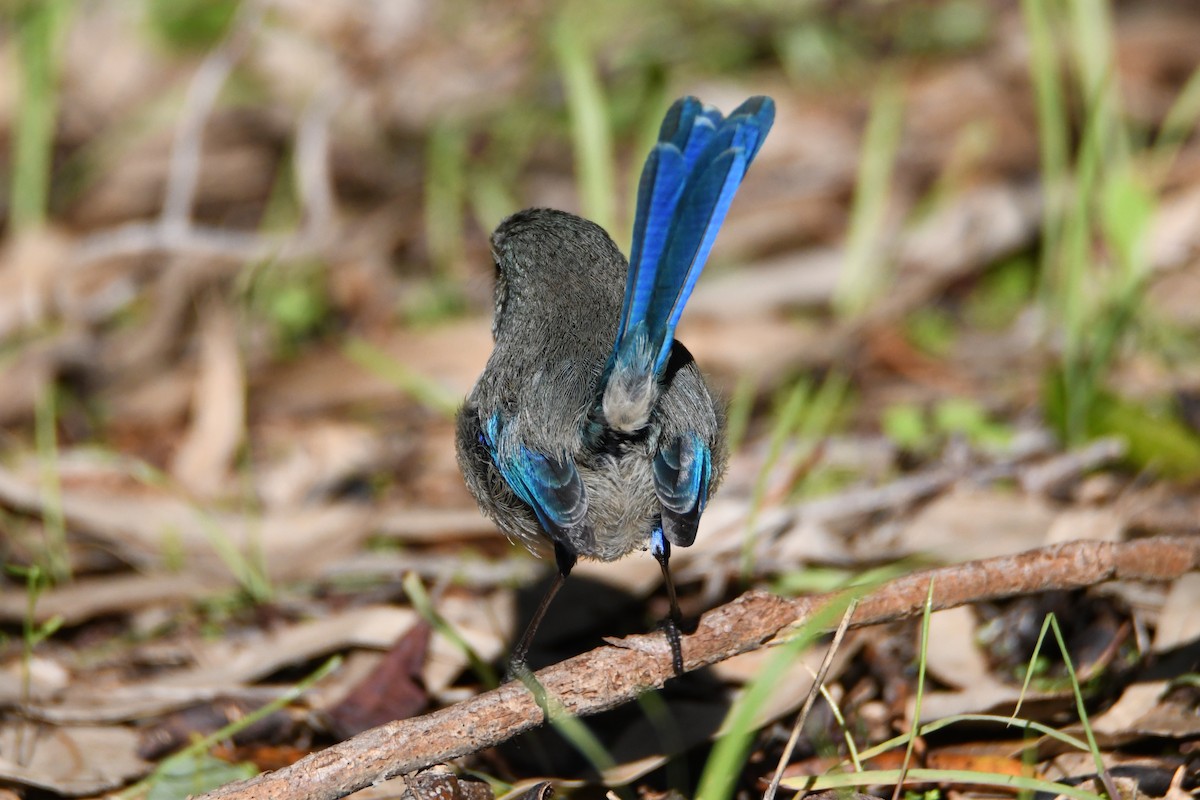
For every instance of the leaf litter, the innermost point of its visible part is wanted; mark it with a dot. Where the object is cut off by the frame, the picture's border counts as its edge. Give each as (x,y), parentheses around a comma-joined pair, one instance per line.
(241,496)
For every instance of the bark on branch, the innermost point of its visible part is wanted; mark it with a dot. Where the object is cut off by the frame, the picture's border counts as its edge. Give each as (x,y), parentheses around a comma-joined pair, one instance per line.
(612,675)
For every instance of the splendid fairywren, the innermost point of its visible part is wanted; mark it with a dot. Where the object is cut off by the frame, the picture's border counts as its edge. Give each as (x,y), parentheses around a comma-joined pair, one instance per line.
(591,430)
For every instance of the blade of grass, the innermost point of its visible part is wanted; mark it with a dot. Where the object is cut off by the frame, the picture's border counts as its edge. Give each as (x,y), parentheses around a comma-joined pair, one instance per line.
(205,743)
(1053,131)
(737,417)
(851,746)
(1177,126)
(818,687)
(425,391)
(786,418)
(423,604)
(445,198)
(575,731)
(937,725)
(952,777)
(1091,34)
(1081,708)
(921,662)
(864,273)
(590,131)
(1051,624)
(38,27)
(666,727)
(728,756)
(54,524)
(248,568)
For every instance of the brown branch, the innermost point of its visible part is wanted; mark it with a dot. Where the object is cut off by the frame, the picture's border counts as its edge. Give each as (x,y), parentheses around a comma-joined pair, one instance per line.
(612,675)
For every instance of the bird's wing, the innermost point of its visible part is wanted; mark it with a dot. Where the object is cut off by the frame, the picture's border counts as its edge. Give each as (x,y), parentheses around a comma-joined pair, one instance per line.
(682,471)
(551,486)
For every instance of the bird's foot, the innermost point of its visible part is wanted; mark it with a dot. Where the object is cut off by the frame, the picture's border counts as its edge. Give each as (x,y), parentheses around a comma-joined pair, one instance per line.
(670,627)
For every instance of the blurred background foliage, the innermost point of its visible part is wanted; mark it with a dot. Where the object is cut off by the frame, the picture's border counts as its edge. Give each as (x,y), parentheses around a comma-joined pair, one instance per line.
(340,168)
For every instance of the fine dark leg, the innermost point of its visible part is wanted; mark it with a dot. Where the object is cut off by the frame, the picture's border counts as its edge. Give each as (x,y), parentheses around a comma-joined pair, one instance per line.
(675,620)
(566,562)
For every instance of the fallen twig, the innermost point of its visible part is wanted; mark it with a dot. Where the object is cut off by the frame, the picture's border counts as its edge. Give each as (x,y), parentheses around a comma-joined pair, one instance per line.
(610,676)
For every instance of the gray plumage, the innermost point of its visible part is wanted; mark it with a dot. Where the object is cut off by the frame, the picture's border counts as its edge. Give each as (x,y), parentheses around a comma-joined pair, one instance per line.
(560,282)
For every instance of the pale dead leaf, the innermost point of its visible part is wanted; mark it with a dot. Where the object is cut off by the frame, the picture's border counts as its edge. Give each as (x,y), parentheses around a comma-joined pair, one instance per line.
(1178,622)
(970,523)
(205,456)
(45,676)
(146,525)
(230,662)
(31,263)
(797,280)
(1134,704)
(72,761)
(314,458)
(222,668)
(85,598)
(485,622)
(1140,709)
(954,658)
(1105,524)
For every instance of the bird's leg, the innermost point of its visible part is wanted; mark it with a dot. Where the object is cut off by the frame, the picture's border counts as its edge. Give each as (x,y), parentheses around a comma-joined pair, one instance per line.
(661,549)
(565,559)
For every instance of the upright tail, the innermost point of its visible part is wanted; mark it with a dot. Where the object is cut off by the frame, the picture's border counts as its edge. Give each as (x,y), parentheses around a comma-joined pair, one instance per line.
(686,188)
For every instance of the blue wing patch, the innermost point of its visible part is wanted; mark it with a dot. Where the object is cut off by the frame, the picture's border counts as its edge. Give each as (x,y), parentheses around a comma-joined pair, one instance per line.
(552,488)
(682,472)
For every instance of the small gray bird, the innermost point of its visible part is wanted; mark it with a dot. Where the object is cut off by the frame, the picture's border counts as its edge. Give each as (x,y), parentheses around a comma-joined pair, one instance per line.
(591,430)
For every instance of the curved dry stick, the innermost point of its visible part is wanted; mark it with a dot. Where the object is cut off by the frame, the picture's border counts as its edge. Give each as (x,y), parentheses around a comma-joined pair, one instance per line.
(612,675)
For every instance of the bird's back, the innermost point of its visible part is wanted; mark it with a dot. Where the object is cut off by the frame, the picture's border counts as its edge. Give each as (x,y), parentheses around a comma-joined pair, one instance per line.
(559,288)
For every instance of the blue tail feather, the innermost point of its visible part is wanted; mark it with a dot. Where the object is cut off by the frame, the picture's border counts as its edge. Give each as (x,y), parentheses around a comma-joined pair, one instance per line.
(658,194)
(697,221)
(686,188)
(677,122)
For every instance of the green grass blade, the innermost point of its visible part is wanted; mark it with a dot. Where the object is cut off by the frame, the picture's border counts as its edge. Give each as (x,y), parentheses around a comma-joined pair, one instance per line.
(952,777)
(54,523)
(445,199)
(737,417)
(729,754)
(205,743)
(421,602)
(38,28)
(1177,126)
(1081,708)
(937,725)
(575,731)
(590,132)
(425,391)
(1053,133)
(864,273)
(786,419)
(922,661)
